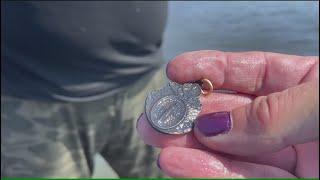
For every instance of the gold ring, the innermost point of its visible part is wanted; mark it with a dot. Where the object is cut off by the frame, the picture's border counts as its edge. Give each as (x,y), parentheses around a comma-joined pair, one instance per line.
(208,83)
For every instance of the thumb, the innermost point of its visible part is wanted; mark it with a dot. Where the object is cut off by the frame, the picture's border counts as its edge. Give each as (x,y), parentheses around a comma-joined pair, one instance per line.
(268,124)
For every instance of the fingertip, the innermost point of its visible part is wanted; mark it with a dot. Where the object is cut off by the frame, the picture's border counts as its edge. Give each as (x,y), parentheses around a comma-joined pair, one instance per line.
(158,162)
(171,69)
(174,66)
(138,120)
(142,125)
(186,163)
(142,116)
(195,65)
(155,138)
(193,163)
(145,131)
(172,161)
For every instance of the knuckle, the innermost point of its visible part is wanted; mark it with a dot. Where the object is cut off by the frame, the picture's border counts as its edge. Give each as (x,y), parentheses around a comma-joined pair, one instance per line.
(263,113)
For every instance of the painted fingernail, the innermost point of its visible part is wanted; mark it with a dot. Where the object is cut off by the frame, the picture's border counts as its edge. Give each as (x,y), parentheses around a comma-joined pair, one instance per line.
(214,123)
(158,162)
(138,120)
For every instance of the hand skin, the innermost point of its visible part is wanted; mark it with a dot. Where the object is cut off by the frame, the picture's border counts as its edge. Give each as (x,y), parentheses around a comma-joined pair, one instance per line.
(274,115)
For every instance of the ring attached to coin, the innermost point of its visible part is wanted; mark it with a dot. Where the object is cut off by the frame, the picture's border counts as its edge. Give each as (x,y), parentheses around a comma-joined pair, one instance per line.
(206,83)
(173,108)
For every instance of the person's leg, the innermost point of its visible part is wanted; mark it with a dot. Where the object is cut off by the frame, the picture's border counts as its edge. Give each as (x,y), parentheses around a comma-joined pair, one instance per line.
(124,151)
(42,139)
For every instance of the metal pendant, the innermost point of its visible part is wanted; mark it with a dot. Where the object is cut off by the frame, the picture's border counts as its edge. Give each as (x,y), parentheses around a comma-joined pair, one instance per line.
(173,108)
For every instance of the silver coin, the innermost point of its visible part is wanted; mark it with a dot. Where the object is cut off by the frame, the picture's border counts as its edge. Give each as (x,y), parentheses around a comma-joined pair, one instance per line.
(173,108)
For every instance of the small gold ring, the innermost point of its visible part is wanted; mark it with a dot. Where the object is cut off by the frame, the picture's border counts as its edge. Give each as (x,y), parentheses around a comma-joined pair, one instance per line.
(208,83)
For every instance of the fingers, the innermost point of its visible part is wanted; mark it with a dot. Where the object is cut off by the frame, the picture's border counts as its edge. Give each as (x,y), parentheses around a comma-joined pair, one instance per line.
(285,159)
(268,124)
(257,73)
(307,165)
(154,138)
(211,103)
(191,163)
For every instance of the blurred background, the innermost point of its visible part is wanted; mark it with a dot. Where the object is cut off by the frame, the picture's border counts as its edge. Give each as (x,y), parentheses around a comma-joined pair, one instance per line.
(284,27)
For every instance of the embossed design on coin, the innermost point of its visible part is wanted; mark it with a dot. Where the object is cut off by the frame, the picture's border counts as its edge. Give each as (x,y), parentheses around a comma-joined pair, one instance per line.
(173,108)
(167,111)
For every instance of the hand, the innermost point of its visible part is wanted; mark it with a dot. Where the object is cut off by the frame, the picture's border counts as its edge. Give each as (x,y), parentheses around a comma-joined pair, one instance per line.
(269,128)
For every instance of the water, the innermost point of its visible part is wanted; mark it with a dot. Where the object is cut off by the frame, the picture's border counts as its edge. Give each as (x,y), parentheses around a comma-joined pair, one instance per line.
(286,27)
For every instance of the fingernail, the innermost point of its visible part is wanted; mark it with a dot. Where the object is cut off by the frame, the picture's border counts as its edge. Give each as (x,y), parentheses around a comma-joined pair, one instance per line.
(138,120)
(214,123)
(158,162)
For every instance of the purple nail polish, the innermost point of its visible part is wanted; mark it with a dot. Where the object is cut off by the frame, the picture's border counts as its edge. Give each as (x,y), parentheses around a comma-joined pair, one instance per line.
(214,123)
(158,163)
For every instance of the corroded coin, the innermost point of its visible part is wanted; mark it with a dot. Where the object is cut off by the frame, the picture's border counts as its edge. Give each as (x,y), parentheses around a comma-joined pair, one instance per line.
(173,108)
